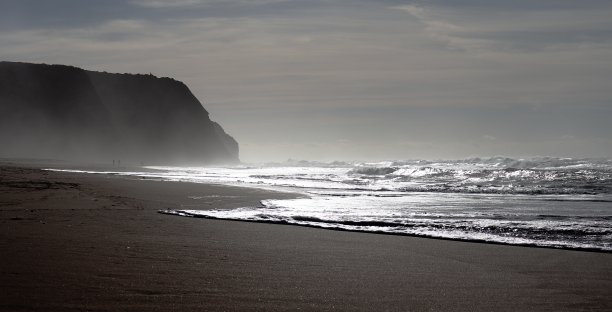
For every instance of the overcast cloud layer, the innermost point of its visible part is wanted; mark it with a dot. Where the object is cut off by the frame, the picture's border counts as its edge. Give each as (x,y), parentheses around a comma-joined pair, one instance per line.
(354,79)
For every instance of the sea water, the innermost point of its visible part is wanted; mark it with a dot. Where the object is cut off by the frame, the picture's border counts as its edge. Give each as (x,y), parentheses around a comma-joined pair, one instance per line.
(549,202)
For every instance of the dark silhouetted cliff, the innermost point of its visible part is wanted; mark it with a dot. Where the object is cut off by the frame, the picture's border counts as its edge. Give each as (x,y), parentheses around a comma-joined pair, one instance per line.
(64,112)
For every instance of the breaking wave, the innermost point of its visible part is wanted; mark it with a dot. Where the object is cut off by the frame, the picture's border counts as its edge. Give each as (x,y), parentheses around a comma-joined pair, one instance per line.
(544,201)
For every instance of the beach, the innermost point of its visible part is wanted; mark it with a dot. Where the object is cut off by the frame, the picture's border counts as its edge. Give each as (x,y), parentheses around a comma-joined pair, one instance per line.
(83,242)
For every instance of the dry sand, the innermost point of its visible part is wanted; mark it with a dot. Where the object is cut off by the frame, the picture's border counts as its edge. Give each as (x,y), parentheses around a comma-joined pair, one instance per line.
(76,242)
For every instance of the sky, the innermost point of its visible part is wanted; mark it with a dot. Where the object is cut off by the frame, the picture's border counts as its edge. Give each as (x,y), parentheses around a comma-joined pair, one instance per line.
(354,79)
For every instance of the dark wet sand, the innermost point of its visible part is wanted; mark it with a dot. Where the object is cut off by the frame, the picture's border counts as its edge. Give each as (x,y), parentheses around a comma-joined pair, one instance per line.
(74,242)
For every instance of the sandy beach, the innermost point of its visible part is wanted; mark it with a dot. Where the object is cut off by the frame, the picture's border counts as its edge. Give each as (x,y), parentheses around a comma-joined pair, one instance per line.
(78,242)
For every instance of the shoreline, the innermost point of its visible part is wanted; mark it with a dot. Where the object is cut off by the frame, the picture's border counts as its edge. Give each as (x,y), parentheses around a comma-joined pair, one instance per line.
(297,195)
(175,214)
(89,242)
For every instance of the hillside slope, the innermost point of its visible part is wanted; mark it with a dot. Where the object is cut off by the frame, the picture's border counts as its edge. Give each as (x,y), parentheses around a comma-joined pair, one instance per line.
(64,112)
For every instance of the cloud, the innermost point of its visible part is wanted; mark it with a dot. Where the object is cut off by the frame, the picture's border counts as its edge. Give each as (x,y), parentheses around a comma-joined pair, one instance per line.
(489,137)
(165,4)
(439,29)
(488,27)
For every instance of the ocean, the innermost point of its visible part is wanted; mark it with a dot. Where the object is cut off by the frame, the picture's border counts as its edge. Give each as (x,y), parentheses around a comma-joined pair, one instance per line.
(545,201)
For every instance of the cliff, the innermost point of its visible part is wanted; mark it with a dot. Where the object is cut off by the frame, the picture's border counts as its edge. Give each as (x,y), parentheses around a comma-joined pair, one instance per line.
(64,112)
